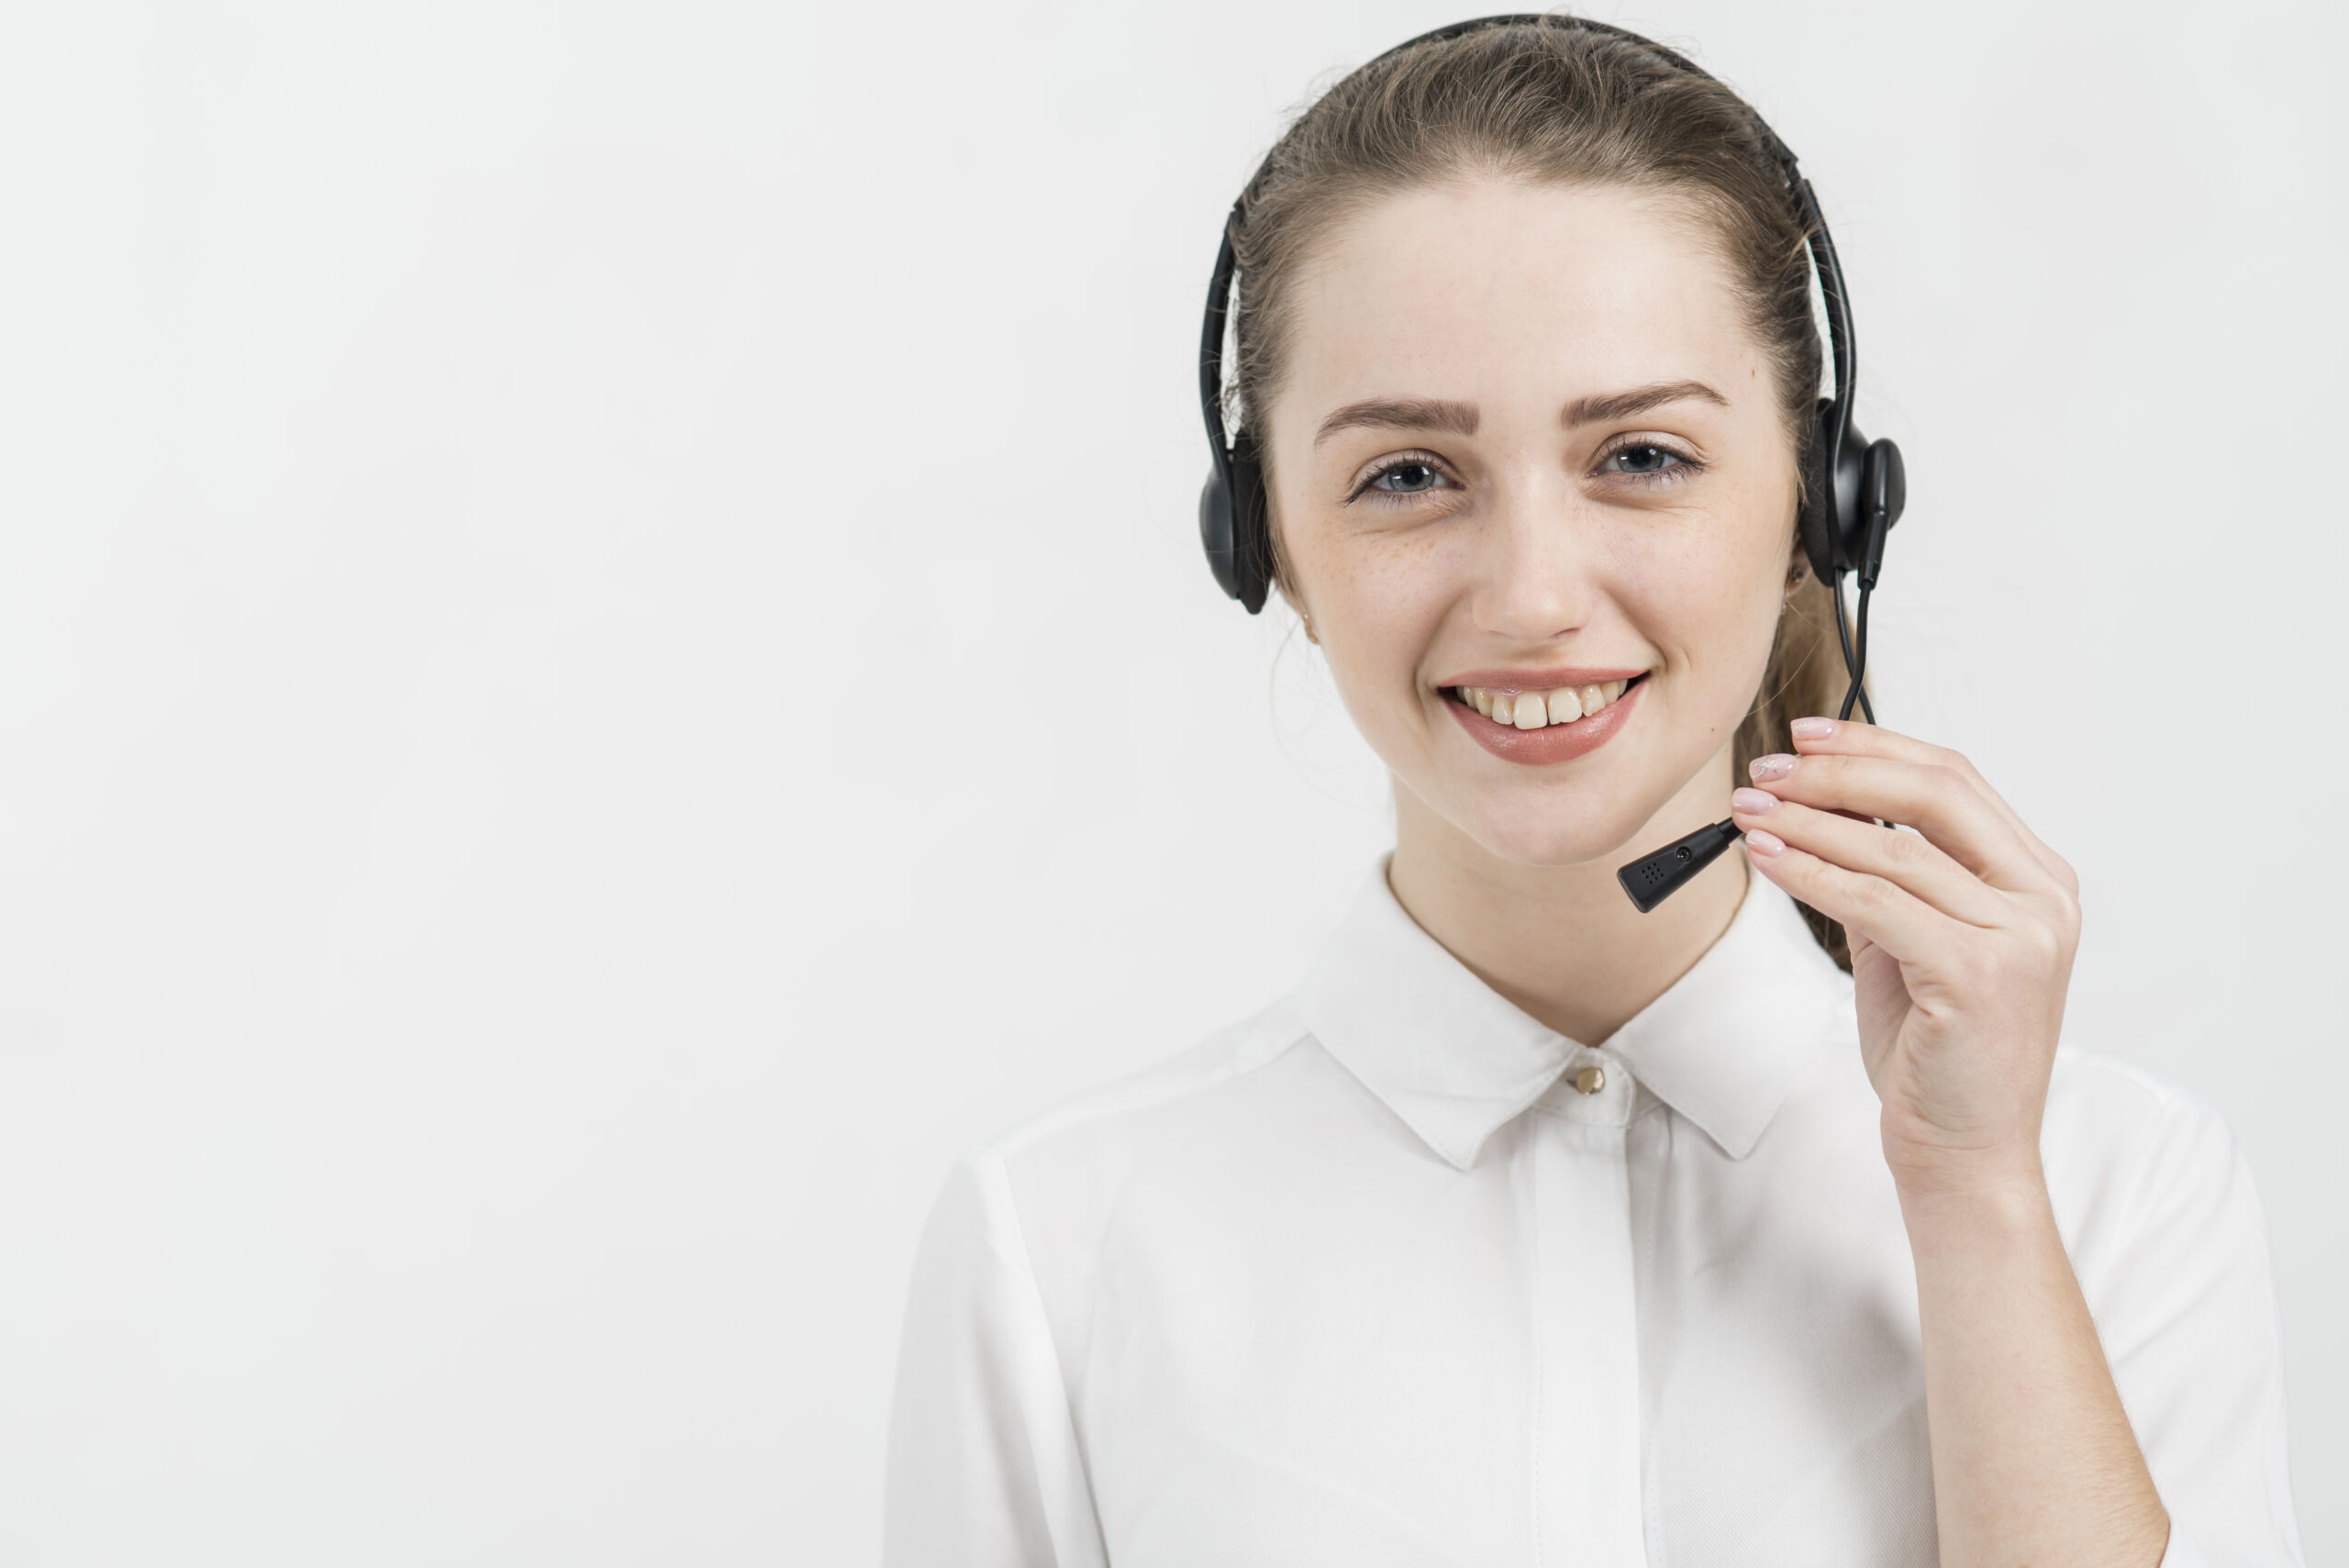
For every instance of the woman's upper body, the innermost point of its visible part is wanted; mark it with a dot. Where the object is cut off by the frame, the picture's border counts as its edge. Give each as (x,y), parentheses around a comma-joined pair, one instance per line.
(1825,1269)
(1370,1280)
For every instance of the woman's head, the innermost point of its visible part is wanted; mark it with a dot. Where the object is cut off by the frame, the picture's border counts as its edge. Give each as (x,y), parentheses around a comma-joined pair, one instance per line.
(1525,338)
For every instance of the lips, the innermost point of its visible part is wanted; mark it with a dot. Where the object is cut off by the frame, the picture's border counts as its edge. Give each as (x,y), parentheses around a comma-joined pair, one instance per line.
(1595,719)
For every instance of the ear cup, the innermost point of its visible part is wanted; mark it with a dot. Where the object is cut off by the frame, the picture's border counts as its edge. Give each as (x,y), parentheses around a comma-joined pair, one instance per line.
(1846,482)
(1885,487)
(1233,528)
(1817,519)
(1851,461)
(1215,532)
(1884,495)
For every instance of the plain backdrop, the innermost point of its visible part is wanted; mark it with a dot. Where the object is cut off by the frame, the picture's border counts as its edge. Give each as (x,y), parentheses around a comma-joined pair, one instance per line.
(604,661)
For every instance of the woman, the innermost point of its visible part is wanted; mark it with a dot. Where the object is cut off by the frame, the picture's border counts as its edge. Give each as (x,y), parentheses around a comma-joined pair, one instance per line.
(1770,1227)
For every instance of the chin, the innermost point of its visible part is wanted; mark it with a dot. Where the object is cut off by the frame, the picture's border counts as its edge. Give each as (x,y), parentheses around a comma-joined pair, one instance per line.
(1567,828)
(1602,806)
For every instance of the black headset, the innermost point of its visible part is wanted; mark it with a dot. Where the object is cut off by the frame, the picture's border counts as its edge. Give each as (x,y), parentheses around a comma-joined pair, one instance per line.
(1855,488)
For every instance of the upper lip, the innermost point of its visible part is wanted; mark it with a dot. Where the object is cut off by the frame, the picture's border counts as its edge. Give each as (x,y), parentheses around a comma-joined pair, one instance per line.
(1538,680)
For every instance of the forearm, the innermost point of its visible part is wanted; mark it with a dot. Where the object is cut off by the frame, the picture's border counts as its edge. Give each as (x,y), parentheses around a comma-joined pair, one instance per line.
(2033,1460)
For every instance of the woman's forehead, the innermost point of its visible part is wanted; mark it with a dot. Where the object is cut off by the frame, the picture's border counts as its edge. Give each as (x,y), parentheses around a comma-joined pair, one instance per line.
(1488,288)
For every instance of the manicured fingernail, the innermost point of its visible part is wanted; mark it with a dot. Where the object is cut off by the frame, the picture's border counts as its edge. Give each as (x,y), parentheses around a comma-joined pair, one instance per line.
(1753,802)
(1763,844)
(1776,765)
(1812,728)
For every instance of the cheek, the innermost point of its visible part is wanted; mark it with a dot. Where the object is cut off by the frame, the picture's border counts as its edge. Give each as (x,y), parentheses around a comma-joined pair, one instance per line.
(1362,588)
(1377,605)
(1711,604)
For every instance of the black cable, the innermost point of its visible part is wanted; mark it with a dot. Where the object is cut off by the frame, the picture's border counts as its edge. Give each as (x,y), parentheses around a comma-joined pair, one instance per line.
(1855,658)
(1868,704)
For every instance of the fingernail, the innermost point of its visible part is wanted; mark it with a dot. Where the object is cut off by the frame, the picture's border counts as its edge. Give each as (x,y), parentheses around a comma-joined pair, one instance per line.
(1812,728)
(1763,844)
(1776,765)
(1753,802)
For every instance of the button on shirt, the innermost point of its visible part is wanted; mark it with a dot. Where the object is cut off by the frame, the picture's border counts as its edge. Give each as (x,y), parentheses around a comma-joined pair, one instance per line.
(1370,1280)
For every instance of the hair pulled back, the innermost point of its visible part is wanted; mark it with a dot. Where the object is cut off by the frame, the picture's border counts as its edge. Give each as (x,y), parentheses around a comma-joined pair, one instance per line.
(1558,103)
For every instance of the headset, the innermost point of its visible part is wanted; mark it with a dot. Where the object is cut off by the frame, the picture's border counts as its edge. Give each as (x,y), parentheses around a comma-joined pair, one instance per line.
(1854,489)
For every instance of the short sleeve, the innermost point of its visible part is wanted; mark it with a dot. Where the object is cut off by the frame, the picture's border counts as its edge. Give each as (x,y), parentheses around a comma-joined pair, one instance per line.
(2187,1314)
(984,1465)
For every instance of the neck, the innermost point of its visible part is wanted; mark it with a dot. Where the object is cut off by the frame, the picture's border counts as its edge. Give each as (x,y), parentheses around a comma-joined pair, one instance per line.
(1562,942)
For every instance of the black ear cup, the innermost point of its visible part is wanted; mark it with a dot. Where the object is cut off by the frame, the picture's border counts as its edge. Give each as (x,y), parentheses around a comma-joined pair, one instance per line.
(1232,526)
(1884,495)
(1849,482)
(1216,531)
(1816,521)
(1850,460)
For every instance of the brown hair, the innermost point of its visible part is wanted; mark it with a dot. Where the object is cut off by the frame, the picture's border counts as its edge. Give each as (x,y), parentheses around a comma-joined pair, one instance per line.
(1558,103)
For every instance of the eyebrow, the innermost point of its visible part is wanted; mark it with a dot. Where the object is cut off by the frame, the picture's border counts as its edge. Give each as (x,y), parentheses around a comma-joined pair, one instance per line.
(1400,413)
(1459,418)
(1638,400)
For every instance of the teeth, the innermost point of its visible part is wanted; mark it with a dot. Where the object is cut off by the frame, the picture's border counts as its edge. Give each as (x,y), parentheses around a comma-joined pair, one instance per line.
(1534,710)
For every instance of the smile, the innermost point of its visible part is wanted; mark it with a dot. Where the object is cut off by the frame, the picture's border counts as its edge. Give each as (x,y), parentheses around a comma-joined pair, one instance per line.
(1539,710)
(1542,727)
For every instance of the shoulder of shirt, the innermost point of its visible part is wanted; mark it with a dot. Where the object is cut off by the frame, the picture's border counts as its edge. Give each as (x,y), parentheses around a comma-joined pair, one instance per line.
(1230,1053)
(2150,1145)
(2087,1083)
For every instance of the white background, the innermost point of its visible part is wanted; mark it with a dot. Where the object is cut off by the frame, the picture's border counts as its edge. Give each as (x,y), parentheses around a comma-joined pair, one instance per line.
(602,662)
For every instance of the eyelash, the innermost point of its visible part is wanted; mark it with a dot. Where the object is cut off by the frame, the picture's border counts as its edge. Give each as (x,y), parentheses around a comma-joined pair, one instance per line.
(1683,467)
(1396,464)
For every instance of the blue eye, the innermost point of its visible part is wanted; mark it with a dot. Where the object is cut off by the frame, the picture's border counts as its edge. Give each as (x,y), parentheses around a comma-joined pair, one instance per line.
(1642,458)
(1407,478)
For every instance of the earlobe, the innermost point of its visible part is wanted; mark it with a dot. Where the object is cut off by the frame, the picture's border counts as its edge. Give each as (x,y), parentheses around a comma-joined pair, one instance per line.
(1294,603)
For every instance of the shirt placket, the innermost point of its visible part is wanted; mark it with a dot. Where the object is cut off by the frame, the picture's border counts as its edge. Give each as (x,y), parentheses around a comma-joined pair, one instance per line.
(1585,1480)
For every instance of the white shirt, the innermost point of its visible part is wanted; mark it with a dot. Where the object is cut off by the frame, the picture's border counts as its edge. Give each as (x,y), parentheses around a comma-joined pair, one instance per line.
(1367,1282)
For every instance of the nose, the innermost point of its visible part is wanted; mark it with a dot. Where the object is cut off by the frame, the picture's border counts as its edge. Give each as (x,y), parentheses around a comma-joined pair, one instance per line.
(1534,574)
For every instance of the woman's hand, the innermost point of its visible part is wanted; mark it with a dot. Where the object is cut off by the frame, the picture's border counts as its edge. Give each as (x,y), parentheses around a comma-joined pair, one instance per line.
(1962,937)
(1962,940)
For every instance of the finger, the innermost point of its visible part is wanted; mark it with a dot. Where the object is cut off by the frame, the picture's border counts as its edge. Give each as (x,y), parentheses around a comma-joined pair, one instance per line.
(1849,738)
(1868,906)
(1908,861)
(1934,800)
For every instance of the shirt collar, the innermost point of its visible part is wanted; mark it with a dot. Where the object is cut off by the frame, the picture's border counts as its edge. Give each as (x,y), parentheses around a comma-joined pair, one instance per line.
(1456,1061)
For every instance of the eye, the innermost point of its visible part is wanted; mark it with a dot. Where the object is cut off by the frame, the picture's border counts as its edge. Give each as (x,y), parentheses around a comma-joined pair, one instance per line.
(1405,475)
(1643,460)
(1406,478)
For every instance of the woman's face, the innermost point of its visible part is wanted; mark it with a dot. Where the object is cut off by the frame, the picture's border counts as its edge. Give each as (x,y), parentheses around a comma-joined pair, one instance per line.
(1524,443)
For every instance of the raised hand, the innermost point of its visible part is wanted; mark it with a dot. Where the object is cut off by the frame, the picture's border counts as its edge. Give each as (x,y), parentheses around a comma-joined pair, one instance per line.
(1962,931)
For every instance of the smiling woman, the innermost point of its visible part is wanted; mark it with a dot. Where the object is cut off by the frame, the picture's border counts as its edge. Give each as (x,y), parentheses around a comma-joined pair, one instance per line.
(1776,1226)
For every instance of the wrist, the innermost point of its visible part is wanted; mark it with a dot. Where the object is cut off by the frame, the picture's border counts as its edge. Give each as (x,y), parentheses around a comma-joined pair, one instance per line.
(1931,1169)
(1986,1185)
(1993,1211)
